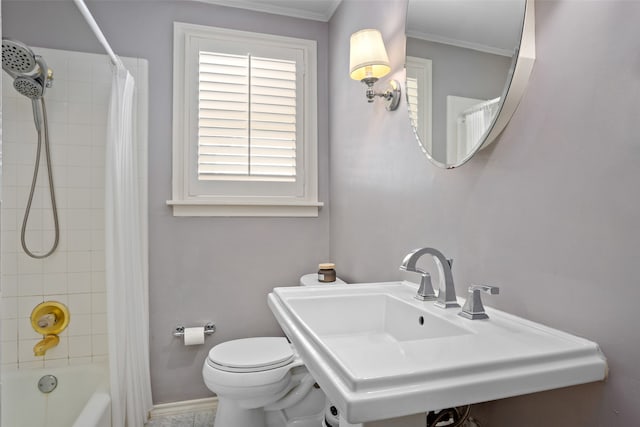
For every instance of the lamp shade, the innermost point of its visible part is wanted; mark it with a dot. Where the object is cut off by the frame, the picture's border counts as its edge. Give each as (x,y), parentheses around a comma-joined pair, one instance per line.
(368,56)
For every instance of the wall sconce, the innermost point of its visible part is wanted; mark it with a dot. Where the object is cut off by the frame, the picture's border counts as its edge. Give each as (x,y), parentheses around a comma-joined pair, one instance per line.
(368,61)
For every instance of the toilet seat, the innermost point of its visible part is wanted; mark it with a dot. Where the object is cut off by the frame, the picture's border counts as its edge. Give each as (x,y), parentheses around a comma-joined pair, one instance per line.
(251,355)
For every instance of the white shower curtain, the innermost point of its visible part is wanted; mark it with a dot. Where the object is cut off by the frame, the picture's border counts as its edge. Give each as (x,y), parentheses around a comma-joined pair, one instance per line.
(126,277)
(473,123)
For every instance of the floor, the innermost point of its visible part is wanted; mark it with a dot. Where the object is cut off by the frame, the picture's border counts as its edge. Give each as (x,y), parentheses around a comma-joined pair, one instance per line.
(193,419)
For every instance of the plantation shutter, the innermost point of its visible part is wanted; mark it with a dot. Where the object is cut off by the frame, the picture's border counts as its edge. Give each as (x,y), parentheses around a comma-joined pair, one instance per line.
(412,100)
(246,118)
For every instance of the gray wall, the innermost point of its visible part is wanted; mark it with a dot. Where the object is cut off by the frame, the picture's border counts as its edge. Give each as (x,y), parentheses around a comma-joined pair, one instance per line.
(460,72)
(550,212)
(201,269)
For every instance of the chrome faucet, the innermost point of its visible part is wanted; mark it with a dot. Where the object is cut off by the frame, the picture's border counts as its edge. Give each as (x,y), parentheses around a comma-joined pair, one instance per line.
(447,291)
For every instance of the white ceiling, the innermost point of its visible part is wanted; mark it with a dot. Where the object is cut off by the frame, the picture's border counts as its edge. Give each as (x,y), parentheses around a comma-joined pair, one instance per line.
(317,10)
(487,25)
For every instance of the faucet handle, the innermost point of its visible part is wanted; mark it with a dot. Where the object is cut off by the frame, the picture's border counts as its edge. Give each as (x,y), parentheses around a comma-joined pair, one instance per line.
(473,308)
(426,292)
(487,289)
(47,320)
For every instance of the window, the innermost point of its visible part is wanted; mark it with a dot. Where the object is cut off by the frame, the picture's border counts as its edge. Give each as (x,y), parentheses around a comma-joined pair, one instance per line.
(245,126)
(419,97)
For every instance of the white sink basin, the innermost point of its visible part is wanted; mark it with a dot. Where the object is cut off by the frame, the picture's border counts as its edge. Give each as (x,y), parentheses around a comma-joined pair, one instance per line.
(379,353)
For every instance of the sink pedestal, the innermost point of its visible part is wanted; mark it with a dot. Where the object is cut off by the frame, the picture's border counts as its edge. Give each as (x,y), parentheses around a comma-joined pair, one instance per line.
(416,420)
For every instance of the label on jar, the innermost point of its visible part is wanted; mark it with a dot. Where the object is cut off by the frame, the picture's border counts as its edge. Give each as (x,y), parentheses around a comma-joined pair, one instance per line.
(320,277)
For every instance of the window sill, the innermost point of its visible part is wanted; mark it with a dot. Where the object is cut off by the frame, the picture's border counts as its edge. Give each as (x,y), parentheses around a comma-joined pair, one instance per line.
(244,209)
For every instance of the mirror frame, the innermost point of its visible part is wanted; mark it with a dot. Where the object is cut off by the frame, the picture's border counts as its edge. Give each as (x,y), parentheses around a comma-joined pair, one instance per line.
(512,94)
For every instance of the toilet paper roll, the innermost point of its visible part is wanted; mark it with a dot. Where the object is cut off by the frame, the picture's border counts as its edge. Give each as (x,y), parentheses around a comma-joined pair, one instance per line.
(194,336)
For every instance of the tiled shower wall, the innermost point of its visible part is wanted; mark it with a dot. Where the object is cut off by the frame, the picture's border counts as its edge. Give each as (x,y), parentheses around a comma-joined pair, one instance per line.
(74,275)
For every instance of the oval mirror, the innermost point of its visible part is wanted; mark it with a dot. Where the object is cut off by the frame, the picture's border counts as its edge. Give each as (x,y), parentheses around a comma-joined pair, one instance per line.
(468,62)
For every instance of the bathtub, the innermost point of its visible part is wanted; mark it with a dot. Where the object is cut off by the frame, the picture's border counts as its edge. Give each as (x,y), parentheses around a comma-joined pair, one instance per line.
(81,398)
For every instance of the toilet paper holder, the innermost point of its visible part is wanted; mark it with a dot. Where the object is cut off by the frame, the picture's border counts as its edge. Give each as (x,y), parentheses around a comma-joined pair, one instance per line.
(209,329)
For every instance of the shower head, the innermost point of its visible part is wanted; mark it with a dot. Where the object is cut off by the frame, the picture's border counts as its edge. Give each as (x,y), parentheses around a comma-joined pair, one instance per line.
(28,87)
(17,57)
(29,71)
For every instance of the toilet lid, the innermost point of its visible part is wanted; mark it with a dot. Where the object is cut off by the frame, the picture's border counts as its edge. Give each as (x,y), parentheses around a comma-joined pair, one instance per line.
(252,353)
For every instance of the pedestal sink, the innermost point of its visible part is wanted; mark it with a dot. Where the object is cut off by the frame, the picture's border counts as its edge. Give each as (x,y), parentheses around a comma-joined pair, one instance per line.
(379,353)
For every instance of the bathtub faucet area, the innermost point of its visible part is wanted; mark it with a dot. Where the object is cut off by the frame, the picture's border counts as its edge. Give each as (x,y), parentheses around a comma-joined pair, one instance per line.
(49,319)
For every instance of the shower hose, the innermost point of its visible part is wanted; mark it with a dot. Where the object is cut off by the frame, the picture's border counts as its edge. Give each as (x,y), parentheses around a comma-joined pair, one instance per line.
(54,208)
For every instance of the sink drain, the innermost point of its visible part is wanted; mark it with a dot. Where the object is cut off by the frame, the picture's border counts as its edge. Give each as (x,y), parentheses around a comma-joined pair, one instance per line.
(47,383)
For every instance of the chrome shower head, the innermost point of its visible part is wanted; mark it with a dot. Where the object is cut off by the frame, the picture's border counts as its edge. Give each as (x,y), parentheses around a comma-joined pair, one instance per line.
(28,87)
(17,57)
(29,71)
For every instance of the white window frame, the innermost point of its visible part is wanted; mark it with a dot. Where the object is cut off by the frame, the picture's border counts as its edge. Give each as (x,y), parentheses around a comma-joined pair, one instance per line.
(187,199)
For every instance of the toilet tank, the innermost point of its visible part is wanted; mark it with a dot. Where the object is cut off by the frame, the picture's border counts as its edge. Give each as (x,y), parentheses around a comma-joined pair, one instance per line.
(312,279)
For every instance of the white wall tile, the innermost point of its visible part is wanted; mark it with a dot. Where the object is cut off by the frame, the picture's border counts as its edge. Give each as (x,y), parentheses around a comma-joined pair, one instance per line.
(63,299)
(58,134)
(79,240)
(55,283)
(97,261)
(79,114)
(80,346)
(98,323)
(79,156)
(9,307)
(9,330)
(55,363)
(79,198)
(59,112)
(25,351)
(77,361)
(9,367)
(9,171)
(79,283)
(26,331)
(78,261)
(10,240)
(80,303)
(9,352)
(98,282)
(27,304)
(79,219)
(9,197)
(61,351)
(99,344)
(37,364)
(9,263)
(58,91)
(80,93)
(55,263)
(30,285)
(99,303)
(79,134)
(97,240)
(28,265)
(79,70)
(10,285)
(80,324)
(9,221)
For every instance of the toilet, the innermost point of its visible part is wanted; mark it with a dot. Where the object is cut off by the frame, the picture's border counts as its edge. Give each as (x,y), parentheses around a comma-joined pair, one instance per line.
(261,382)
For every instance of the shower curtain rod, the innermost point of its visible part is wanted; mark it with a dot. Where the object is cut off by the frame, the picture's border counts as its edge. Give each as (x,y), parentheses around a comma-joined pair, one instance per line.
(96,29)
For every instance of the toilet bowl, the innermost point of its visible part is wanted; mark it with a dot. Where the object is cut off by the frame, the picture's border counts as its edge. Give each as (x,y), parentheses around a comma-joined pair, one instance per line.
(261,382)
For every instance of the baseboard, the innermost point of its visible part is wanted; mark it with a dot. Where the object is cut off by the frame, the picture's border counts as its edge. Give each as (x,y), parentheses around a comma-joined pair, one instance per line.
(186,406)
